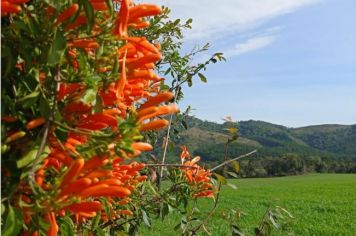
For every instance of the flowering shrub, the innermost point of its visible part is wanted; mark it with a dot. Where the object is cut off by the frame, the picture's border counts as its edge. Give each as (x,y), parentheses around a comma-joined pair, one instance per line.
(79,90)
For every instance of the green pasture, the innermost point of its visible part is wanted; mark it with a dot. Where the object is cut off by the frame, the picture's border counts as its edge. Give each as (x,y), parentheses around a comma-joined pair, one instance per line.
(322,204)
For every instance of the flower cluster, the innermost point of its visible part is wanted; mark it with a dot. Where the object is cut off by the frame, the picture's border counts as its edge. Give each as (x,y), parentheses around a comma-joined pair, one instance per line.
(69,181)
(197,176)
(11,6)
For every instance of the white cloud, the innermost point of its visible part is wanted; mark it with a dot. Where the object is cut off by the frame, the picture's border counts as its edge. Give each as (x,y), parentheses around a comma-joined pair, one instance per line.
(215,19)
(251,44)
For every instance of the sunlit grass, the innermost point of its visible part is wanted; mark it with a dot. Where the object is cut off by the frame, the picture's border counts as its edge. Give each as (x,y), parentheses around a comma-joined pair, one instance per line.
(322,204)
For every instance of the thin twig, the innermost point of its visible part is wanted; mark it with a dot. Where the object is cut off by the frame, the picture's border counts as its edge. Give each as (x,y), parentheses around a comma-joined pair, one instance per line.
(198,167)
(46,129)
(210,213)
(166,143)
(173,165)
(176,89)
(113,223)
(231,160)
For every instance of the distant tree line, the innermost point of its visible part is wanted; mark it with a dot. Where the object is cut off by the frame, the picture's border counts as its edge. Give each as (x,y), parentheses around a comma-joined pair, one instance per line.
(294,165)
(288,164)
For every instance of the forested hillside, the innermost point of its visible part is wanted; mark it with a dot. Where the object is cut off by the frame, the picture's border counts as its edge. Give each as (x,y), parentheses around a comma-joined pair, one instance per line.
(281,150)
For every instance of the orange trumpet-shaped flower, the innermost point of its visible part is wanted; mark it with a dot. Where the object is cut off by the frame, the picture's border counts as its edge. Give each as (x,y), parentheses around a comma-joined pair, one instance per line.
(143,43)
(94,163)
(121,83)
(163,110)
(154,125)
(8,119)
(184,153)
(35,123)
(144,10)
(123,17)
(142,146)
(11,7)
(81,20)
(104,190)
(153,101)
(83,43)
(75,187)
(68,12)
(196,176)
(53,227)
(85,207)
(72,172)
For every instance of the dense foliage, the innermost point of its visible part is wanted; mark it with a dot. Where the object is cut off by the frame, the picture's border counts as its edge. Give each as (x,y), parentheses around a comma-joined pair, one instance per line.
(81,95)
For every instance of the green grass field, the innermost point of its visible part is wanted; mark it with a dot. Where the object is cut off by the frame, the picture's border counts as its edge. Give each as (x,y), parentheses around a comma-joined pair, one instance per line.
(322,204)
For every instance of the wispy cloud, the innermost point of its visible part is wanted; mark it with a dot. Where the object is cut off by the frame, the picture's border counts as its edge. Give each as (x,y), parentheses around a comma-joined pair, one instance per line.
(254,42)
(251,44)
(215,19)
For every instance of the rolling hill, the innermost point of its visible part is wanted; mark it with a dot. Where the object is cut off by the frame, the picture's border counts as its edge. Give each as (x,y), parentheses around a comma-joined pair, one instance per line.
(327,141)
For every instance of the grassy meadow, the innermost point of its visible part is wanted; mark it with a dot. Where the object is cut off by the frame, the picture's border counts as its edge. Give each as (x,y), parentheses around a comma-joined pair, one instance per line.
(322,204)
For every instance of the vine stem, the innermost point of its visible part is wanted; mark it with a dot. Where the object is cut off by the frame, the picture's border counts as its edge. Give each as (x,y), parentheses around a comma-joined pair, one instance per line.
(193,167)
(231,160)
(210,213)
(46,129)
(166,142)
(173,165)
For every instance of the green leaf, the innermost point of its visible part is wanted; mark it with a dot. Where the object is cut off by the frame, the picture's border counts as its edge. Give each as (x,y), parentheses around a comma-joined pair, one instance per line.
(33,25)
(233,174)
(10,59)
(167,71)
(67,226)
(236,231)
(189,81)
(3,208)
(202,78)
(236,166)
(95,222)
(115,68)
(184,124)
(273,219)
(45,109)
(233,186)
(31,156)
(221,179)
(145,218)
(109,4)
(98,107)
(89,12)
(29,100)
(13,223)
(89,97)
(57,48)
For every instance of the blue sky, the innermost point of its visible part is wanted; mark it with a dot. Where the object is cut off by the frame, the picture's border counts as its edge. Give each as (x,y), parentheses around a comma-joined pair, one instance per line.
(291,62)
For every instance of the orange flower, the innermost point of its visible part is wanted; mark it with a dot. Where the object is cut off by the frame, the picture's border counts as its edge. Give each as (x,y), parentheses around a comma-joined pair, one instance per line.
(83,43)
(85,207)
(142,146)
(184,153)
(8,119)
(144,10)
(159,98)
(35,123)
(123,18)
(197,176)
(68,12)
(53,227)
(10,7)
(154,125)
(81,20)
(72,172)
